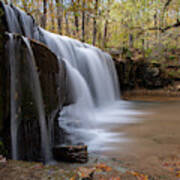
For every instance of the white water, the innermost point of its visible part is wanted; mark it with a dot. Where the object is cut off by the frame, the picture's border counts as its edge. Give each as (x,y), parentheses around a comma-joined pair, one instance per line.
(13,97)
(37,94)
(93,85)
(15,103)
(92,80)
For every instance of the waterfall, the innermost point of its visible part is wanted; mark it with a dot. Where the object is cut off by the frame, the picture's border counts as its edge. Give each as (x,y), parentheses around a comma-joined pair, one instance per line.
(37,94)
(91,77)
(14,54)
(13,97)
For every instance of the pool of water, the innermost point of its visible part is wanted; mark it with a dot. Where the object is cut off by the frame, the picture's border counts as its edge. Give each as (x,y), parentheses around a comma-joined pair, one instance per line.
(136,128)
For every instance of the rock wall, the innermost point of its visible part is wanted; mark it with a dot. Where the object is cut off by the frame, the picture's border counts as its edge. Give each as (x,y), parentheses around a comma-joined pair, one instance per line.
(52,75)
(141,74)
(4,88)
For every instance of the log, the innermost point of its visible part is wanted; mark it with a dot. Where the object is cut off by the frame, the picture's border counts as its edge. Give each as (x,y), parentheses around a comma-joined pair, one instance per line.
(73,154)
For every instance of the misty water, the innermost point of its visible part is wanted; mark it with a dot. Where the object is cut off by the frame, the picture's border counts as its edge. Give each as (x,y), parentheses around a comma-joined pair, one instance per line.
(141,129)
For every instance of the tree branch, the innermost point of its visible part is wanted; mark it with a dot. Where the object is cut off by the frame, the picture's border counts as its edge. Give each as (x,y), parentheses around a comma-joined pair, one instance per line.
(166,5)
(177,24)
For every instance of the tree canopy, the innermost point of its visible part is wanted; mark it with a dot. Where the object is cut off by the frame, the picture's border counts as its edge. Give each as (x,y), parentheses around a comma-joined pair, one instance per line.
(109,23)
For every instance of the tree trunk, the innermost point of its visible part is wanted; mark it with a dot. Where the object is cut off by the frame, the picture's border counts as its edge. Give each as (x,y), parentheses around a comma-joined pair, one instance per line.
(131,41)
(83,21)
(106,25)
(105,33)
(67,24)
(44,17)
(95,23)
(52,16)
(59,12)
(75,6)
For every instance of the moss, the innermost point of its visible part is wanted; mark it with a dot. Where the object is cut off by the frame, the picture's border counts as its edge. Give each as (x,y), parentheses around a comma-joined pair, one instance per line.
(148,52)
(154,61)
(3,151)
(172,57)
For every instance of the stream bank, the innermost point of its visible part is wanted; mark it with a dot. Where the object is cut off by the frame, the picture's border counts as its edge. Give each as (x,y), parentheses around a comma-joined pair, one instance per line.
(148,75)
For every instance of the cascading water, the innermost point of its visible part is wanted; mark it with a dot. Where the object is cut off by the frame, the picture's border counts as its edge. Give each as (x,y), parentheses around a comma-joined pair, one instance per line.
(13,96)
(13,52)
(93,84)
(37,94)
(92,80)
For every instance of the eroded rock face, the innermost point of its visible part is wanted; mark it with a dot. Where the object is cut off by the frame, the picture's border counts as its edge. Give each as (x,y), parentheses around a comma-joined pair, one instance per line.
(52,75)
(141,74)
(4,87)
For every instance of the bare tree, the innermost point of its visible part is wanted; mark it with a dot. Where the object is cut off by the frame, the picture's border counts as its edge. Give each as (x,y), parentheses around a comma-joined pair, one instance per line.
(83,20)
(59,12)
(44,16)
(95,23)
(106,25)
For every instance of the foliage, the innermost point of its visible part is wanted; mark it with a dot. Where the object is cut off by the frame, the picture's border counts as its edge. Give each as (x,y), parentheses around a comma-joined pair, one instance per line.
(110,23)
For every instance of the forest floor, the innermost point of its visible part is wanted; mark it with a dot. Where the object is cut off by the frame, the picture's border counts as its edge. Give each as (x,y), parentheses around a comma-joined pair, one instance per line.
(102,169)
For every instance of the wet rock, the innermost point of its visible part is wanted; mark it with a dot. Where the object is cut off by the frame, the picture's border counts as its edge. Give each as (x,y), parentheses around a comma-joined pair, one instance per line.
(4,87)
(52,75)
(74,154)
(153,71)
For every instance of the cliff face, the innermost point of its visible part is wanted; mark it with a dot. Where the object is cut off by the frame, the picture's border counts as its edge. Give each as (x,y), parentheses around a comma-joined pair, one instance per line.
(4,87)
(52,76)
(141,74)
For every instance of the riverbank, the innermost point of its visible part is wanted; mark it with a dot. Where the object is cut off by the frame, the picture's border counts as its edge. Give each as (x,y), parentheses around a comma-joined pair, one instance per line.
(160,95)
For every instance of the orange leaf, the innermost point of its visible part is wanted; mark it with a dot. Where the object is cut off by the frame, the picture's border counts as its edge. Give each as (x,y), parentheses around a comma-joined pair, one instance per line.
(178,174)
(85,172)
(73,178)
(115,178)
(103,167)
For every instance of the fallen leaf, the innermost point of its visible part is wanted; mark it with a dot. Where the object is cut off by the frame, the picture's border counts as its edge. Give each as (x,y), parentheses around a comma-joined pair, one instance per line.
(139,176)
(73,178)
(103,167)
(85,172)
(178,174)
(115,178)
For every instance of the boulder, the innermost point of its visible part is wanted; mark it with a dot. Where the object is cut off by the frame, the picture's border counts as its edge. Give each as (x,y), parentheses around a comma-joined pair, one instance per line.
(74,154)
